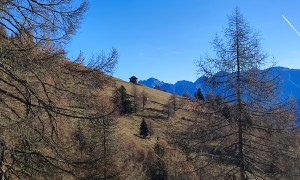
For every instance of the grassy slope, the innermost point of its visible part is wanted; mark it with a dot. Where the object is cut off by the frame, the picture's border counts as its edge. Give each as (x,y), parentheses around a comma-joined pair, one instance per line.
(130,124)
(160,125)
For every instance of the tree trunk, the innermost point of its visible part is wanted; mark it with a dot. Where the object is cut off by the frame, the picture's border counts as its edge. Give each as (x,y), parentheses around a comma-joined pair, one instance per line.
(2,147)
(239,104)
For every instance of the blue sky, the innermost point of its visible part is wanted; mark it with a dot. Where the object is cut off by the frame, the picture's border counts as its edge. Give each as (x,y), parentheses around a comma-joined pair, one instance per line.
(163,38)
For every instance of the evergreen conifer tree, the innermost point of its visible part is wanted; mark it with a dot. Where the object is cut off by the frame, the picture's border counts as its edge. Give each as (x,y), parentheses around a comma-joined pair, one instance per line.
(122,99)
(144,131)
(158,170)
(199,95)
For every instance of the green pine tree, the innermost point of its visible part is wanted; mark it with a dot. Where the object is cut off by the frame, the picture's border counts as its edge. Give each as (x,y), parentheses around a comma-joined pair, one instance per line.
(144,131)
(159,150)
(122,99)
(199,95)
(158,170)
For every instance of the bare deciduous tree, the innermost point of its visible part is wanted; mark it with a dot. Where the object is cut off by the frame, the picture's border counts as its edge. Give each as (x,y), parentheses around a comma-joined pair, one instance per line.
(171,106)
(145,98)
(42,94)
(245,125)
(136,98)
(43,20)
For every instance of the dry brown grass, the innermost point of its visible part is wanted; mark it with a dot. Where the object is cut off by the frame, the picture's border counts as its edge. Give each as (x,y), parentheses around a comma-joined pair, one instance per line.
(134,152)
(161,127)
(155,95)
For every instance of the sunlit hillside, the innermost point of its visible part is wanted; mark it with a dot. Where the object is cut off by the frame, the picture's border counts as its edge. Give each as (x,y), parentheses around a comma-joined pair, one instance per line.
(64,116)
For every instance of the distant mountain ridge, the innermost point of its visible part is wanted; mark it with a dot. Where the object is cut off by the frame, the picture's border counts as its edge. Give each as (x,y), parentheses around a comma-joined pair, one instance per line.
(290,83)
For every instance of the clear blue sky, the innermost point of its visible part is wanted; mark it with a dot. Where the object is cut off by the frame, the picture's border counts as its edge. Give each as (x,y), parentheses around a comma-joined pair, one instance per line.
(163,38)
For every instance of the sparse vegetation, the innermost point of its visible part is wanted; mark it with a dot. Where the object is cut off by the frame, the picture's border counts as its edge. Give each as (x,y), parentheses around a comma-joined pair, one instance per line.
(199,95)
(158,169)
(122,100)
(241,129)
(144,131)
(63,119)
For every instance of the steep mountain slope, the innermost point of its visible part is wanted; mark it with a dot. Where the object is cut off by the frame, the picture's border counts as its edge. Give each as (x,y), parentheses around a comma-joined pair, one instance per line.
(151,82)
(289,78)
(155,114)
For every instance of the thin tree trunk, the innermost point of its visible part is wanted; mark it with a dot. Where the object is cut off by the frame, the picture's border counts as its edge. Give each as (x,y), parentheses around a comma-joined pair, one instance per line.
(2,147)
(104,148)
(239,113)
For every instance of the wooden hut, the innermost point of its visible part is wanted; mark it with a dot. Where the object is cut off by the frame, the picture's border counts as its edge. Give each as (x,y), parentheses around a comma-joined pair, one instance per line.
(133,80)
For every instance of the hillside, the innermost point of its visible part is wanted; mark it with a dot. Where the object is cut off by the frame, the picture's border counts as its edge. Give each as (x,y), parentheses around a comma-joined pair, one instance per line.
(59,122)
(160,128)
(199,131)
(65,118)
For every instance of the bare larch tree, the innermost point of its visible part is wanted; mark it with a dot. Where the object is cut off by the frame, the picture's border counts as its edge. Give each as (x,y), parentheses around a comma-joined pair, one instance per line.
(42,94)
(241,134)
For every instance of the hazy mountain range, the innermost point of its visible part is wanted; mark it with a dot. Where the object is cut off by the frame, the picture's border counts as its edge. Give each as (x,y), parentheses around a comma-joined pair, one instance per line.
(290,85)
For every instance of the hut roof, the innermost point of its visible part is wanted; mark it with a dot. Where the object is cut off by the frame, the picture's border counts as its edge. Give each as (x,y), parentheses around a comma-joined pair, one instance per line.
(133,77)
